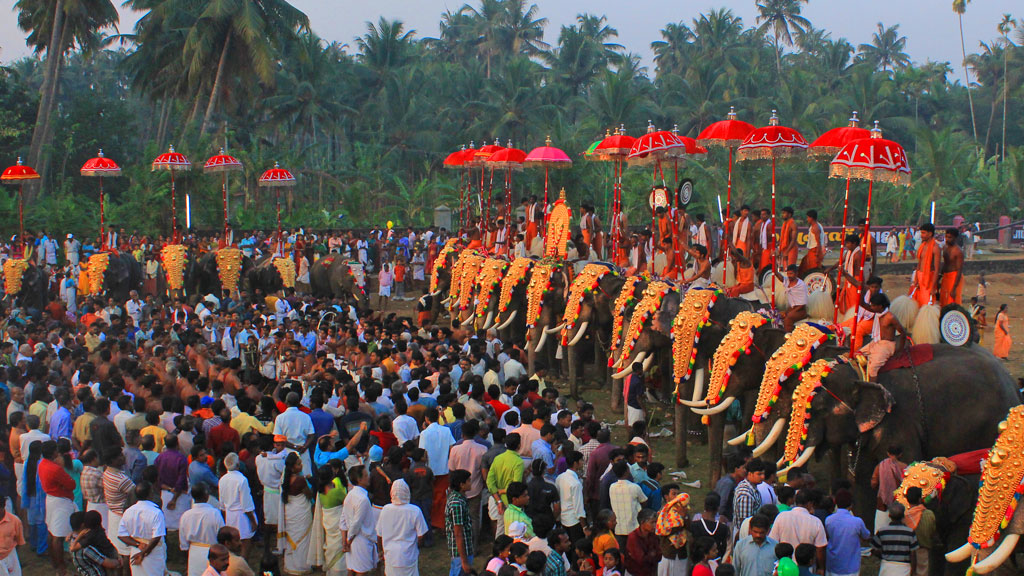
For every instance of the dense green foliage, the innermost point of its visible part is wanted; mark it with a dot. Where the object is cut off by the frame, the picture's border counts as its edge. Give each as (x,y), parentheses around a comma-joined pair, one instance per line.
(366,132)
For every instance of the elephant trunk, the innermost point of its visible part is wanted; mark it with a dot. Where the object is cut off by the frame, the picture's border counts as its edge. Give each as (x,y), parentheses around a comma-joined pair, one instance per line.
(801,461)
(508,322)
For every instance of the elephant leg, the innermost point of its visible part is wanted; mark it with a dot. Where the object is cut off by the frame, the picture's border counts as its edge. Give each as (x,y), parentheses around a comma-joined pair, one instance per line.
(600,361)
(716,437)
(574,385)
(680,421)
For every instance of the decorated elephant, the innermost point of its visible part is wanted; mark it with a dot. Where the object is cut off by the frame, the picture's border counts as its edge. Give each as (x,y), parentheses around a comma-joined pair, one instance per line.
(114,274)
(930,407)
(994,536)
(510,315)
(441,274)
(270,274)
(588,320)
(545,303)
(214,272)
(487,293)
(463,286)
(26,283)
(332,277)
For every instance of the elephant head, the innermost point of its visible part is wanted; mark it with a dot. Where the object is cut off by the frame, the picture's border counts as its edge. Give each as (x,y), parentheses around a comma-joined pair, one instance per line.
(511,314)
(27,282)
(441,273)
(123,274)
(649,328)
(488,292)
(270,274)
(460,295)
(545,303)
(998,520)
(588,311)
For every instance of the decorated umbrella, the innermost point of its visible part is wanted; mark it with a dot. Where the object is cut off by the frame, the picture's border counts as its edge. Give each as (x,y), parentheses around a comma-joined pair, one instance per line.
(480,159)
(172,162)
(511,159)
(615,148)
(827,146)
(729,133)
(549,157)
(874,159)
(457,161)
(653,148)
(99,167)
(772,142)
(277,177)
(18,174)
(223,163)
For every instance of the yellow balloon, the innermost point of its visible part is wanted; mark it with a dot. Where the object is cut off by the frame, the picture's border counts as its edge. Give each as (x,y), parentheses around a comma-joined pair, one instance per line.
(390,224)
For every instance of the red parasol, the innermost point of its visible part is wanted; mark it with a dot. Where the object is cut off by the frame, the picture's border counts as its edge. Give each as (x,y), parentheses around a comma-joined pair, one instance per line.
(655,146)
(277,177)
(18,174)
(874,159)
(223,163)
(728,133)
(511,159)
(459,160)
(549,157)
(826,146)
(772,142)
(172,162)
(479,160)
(99,167)
(615,148)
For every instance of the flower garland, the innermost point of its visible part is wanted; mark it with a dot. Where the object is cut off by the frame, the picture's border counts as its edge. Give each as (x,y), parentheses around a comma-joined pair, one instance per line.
(487,281)
(451,245)
(98,263)
(930,477)
(455,291)
(623,302)
(173,258)
(14,270)
(694,314)
(584,284)
(517,272)
(286,269)
(469,271)
(792,356)
(648,305)
(800,415)
(736,342)
(229,267)
(1002,482)
(540,283)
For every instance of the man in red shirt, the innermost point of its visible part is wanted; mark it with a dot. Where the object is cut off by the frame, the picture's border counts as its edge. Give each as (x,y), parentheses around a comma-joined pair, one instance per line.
(60,504)
(223,433)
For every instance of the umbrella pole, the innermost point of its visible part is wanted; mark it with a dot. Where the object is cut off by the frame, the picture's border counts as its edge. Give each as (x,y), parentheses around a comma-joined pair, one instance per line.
(725,228)
(224,197)
(842,245)
(174,212)
(103,235)
(277,198)
(863,260)
(773,231)
(21,212)
(544,227)
(490,192)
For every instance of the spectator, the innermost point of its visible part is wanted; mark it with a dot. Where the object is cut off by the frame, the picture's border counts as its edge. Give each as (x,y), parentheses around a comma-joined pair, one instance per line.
(754,554)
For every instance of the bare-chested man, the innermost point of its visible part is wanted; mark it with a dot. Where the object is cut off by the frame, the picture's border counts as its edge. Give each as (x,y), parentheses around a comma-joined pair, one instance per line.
(952,285)
(883,335)
(699,274)
(925,287)
(788,250)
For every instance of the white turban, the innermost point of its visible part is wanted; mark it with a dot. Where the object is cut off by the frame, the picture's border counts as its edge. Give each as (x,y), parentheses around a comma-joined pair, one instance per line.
(400,493)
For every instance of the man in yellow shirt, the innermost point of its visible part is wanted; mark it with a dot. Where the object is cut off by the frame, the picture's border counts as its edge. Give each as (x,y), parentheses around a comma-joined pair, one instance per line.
(245,422)
(154,429)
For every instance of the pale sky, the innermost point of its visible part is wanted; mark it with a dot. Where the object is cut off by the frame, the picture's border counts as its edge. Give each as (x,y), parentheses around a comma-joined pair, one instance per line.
(930,25)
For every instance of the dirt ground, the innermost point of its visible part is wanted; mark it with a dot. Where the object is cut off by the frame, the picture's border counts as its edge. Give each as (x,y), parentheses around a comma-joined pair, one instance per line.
(1002,288)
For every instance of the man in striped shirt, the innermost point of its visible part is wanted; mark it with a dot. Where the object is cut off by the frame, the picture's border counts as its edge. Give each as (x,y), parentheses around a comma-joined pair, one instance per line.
(895,544)
(746,499)
(92,484)
(117,489)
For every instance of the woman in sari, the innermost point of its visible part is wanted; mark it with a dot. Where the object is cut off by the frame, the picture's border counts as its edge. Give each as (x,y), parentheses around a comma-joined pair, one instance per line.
(33,500)
(331,495)
(298,517)
(1003,342)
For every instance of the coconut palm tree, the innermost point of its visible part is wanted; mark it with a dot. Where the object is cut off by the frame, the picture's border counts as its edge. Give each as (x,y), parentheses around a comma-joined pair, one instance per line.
(886,49)
(783,19)
(959,7)
(1007,24)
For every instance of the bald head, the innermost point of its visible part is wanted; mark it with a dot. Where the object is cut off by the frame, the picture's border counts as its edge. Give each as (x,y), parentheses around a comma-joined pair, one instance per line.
(219,557)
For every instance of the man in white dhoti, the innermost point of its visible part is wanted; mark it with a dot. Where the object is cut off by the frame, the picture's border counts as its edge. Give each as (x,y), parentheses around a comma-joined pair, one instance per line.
(400,528)
(142,529)
(331,498)
(298,429)
(270,471)
(236,499)
(197,530)
(296,521)
(358,525)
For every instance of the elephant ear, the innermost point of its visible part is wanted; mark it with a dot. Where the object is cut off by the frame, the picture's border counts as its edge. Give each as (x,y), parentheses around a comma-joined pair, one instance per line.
(873,403)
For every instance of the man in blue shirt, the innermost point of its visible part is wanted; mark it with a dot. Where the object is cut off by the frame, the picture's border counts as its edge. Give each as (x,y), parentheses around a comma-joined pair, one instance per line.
(754,555)
(61,422)
(323,423)
(542,451)
(846,533)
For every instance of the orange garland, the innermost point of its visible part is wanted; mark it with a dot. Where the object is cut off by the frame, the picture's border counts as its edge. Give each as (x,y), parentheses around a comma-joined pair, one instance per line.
(622,303)
(450,246)
(585,283)
(540,282)
(736,342)
(14,269)
(488,279)
(648,305)
(800,414)
(1002,482)
(694,312)
(286,269)
(469,271)
(516,274)
(794,353)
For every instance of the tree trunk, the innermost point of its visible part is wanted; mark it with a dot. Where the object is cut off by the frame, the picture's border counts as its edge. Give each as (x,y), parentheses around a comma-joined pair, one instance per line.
(967,78)
(1005,88)
(215,91)
(54,53)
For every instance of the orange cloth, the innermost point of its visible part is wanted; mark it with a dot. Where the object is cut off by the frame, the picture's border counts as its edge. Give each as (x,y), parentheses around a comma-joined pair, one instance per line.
(1003,341)
(586,236)
(475,244)
(847,297)
(925,277)
(744,282)
(863,329)
(531,233)
(788,227)
(766,258)
(946,292)
(811,261)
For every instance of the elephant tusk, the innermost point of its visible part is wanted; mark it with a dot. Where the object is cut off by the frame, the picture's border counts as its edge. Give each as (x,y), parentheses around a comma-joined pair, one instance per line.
(579,333)
(540,343)
(445,301)
(435,293)
(742,438)
(1000,556)
(468,321)
(555,329)
(722,407)
(804,457)
(692,404)
(489,321)
(647,362)
(772,438)
(508,322)
(960,554)
(629,367)
(698,385)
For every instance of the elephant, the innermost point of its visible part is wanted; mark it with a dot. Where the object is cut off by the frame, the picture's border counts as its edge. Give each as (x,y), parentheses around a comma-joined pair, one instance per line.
(123,274)
(202,276)
(911,407)
(33,295)
(543,323)
(510,315)
(655,341)
(441,275)
(331,277)
(264,277)
(591,327)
